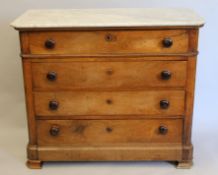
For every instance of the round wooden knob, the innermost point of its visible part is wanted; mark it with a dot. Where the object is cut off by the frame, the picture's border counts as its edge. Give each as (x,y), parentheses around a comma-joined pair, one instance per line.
(51,76)
(167,42)
(164,104)
(54,131)
(53,105)
(49,44)
(165,75)
(163,129)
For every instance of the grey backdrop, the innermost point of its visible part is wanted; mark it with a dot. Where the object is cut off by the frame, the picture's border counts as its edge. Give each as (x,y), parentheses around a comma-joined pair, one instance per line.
(13,133)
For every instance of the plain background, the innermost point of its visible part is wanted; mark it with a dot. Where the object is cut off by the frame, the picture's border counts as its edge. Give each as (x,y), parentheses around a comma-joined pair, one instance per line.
(13,132)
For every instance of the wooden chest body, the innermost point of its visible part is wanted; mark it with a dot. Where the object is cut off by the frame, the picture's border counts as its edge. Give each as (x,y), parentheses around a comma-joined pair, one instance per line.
(109,93)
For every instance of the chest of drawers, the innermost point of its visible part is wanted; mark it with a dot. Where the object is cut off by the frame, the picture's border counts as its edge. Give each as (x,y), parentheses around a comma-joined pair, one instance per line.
(110,84)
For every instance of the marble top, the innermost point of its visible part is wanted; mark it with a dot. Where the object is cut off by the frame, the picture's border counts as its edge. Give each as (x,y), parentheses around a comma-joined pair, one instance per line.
(132,17)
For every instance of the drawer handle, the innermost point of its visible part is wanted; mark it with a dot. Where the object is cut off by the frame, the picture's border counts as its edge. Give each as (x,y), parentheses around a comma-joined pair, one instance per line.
(164,104)
(53,105)
(49,44)
(54,131)
(51,76)
(163,130)
(167,42)
(165,75)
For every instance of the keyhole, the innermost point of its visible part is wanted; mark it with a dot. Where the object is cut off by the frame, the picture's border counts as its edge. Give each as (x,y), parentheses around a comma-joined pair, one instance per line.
(109,37)
(109,71)
(108,129)
(109,101)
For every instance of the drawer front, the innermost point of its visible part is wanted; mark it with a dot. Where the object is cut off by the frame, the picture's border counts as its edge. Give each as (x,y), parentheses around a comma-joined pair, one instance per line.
(93,132)
(92,75)
(109,103)
(108,42)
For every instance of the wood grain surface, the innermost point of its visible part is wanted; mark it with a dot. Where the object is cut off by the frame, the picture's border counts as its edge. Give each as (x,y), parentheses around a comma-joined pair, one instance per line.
(91,42)
(94,132)
(109,103)
(108,75)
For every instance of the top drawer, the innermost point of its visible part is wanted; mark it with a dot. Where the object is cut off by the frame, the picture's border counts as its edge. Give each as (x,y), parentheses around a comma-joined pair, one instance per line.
(107,42)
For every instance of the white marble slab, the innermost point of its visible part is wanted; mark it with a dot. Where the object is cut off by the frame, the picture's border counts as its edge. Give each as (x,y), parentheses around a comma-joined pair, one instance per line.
(146,17)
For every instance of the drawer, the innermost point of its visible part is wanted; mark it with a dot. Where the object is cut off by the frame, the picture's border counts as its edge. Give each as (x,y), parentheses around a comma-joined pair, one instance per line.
(160,102)
(99,75)
(93,132)
(108,42)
